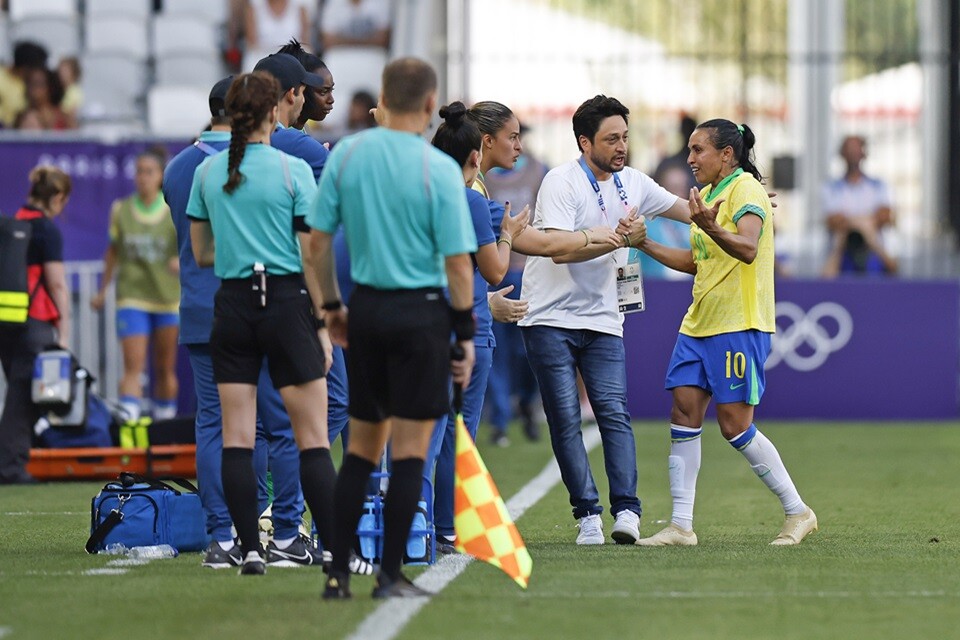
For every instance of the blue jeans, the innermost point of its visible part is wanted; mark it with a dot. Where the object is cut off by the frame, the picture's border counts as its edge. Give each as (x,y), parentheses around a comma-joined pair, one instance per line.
(443,446)
(273,429)
(556,355)
(511,372)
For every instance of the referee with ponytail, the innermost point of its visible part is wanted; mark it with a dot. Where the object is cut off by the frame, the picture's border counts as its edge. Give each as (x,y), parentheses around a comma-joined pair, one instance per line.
(252,201)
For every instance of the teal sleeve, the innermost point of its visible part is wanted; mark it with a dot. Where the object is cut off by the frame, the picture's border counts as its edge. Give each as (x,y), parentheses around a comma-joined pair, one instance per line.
(304,187)
(196,207)
(452,224)
(324,214)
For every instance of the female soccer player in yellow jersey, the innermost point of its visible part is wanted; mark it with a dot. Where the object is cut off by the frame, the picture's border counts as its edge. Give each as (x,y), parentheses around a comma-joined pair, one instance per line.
(725,336)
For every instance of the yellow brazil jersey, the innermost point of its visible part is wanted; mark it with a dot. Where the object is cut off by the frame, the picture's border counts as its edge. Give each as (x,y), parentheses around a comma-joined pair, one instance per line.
(480,185)
(729,295)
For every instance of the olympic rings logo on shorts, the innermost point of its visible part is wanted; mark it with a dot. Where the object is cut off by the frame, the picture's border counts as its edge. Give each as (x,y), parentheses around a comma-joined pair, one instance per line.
(803,341)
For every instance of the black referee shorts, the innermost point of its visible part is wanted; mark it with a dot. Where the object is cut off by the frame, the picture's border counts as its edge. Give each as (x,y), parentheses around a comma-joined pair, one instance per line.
(283,331)
(399,355)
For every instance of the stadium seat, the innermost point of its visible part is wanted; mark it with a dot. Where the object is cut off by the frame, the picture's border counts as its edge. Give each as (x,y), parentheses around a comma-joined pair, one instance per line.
(212,11)
(59,35)
(139,9)
(112,86)
(353,69)
(178,111)
(181,34)
(119,36)
(20,9)
(195,69)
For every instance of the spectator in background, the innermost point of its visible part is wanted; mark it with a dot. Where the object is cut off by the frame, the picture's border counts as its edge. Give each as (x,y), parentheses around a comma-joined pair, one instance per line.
(13,90)
(678,160)
(360,114)
(670,233)
(44,95)
(48,319)
(69,73)
(857,209)
(270,24)
(355,23)
(143,254)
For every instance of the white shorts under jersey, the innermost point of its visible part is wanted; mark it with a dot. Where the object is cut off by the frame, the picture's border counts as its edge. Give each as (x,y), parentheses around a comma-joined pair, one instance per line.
(583,295)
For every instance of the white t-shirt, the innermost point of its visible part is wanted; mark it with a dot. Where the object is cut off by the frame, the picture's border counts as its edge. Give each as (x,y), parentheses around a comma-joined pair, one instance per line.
(855,199)
(583,295)
(360,20)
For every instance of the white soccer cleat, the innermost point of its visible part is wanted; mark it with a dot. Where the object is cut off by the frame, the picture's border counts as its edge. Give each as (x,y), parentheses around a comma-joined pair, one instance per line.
(626,529)
(591,530)
(796,528)
(670,536)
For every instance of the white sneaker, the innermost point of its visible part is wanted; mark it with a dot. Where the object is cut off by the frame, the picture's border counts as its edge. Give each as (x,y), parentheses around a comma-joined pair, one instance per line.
(591,530)
(626,530)
(670,536)
(796,528)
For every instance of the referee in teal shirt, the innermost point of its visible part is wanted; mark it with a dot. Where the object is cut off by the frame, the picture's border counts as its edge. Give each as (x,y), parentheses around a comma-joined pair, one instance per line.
(252,200)
(408,229)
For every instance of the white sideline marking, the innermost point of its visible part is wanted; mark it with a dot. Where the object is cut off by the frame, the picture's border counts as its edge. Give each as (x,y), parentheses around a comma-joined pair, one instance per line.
(128,562)
(106,571)
(392,616)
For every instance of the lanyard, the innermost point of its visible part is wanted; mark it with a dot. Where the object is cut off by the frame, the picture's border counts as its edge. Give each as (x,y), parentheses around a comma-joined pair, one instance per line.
(206,148)
(596,188)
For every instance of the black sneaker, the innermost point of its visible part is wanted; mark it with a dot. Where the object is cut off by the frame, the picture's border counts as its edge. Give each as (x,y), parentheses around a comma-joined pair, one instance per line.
(337,586)
(357,565)
(216,558)
(446,546)
(302,552)
(399,588)
(530,427)
(253,565)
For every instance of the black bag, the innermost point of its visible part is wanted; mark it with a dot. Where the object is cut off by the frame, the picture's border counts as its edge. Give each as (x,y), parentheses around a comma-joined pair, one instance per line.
(14,294)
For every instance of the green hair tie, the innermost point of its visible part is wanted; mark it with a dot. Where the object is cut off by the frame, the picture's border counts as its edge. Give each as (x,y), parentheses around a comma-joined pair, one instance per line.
(740,128)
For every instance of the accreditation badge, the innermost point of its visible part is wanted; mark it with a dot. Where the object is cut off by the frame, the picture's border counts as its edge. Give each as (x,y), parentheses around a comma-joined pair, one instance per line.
(630,298)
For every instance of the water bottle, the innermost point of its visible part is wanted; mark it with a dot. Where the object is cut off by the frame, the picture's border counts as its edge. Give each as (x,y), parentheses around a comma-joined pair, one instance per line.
(115,549)
(367,532)
(153,552)
(417,542)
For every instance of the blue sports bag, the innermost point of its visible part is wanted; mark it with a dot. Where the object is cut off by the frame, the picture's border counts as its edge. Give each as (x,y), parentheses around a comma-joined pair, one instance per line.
(138,511)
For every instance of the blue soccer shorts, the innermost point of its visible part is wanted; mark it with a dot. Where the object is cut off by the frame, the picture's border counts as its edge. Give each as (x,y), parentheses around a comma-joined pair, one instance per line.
(728,366)
(137,322)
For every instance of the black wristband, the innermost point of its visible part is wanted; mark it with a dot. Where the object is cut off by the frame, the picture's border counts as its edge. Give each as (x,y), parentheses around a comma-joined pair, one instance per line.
(464,324)
(332,306)
(319,323)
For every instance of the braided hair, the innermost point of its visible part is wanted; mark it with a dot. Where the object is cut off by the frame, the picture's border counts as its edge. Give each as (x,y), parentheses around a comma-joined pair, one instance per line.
(457,135)
(739,137)
(249,101)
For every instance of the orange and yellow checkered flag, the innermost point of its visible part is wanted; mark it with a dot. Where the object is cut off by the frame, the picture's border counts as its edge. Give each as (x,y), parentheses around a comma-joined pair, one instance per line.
(484,528)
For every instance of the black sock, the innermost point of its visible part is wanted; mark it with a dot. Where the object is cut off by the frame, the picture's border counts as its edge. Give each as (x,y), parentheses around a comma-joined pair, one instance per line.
(406,483)
(240,494)
(318,478)
(350,492)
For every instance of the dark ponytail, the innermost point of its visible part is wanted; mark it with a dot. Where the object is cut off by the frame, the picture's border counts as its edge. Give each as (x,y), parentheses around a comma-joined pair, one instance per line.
(249,101)
(740,138)
(457,135)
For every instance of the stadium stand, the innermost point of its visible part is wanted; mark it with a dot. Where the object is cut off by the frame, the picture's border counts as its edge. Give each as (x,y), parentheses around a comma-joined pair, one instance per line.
(177,111)
(20,9)
(58,34)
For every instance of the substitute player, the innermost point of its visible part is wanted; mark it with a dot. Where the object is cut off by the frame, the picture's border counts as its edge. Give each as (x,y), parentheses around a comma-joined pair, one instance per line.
(725,336)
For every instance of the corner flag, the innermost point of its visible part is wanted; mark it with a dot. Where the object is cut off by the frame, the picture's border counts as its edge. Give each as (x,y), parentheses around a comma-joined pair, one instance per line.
(484,528)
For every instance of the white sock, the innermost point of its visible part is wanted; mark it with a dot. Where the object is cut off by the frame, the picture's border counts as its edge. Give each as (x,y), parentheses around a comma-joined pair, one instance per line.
(131,407)
(283,544)
(766,463)
(226,545)
(684,466)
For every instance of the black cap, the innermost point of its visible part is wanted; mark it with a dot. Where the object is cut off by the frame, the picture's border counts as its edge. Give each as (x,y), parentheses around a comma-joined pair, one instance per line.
(288,71)
(218,97)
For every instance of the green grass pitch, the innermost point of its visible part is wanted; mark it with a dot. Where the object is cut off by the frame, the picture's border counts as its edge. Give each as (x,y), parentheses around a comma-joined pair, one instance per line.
(885,563)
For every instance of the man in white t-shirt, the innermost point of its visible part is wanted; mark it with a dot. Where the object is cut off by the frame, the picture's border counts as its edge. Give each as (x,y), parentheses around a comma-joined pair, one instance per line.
(857,209)
(574,322)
